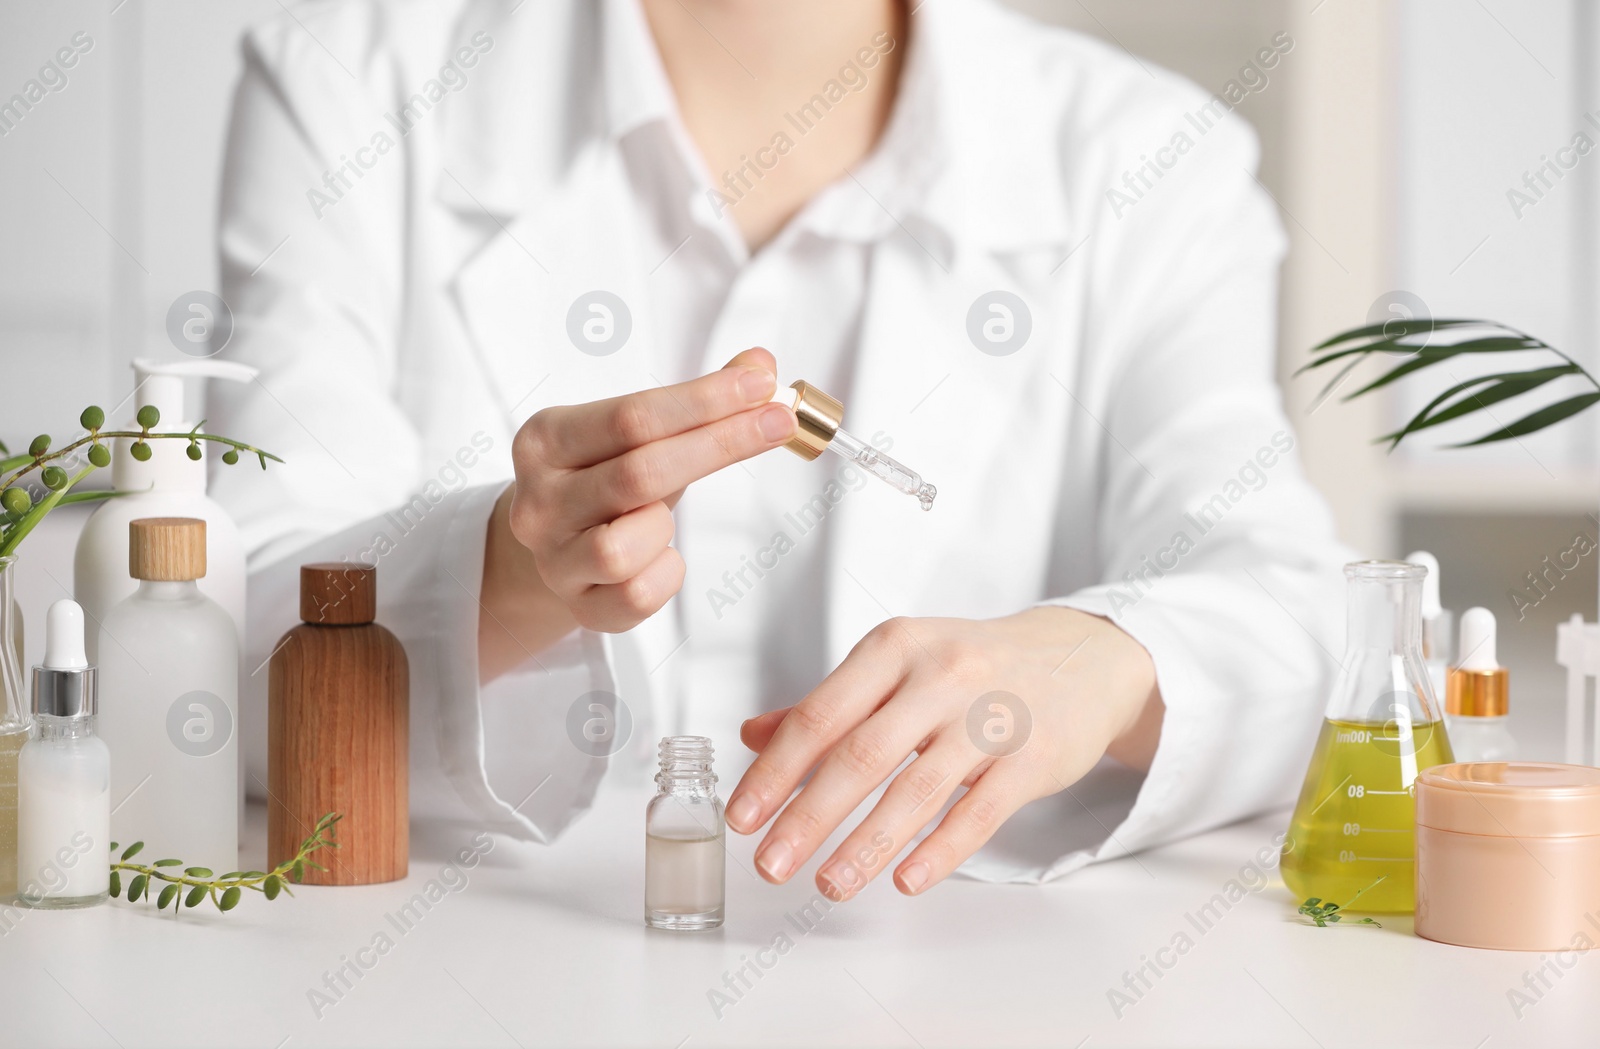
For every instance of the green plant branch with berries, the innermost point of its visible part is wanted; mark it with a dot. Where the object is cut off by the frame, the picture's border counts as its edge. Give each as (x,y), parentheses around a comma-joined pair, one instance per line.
(225,890)
(19,514)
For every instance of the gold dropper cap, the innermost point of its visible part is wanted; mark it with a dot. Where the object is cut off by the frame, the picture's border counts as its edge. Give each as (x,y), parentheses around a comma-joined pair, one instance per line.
(1478,693)
(819,417)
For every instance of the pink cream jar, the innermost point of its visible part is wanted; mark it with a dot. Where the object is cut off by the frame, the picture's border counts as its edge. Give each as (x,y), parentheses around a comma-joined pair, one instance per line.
(1508,855)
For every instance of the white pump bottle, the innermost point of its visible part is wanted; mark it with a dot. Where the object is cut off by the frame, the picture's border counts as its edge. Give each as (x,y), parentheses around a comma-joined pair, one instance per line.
(168,484)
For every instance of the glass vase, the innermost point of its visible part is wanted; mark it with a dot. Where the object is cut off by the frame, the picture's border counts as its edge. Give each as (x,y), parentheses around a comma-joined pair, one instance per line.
(14,724)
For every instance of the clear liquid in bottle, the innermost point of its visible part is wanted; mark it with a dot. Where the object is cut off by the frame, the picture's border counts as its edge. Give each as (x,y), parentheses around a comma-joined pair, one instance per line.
(685,861)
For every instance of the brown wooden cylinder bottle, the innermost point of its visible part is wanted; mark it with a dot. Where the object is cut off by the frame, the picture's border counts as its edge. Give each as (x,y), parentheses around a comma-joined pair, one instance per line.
(338,717)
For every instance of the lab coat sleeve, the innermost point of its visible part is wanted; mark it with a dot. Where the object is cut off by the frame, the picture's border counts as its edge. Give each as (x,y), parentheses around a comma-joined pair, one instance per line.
(314,271)
(1214,551)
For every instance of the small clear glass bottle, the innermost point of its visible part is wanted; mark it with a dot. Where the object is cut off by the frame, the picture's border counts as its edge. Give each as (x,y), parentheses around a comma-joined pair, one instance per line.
(683,846)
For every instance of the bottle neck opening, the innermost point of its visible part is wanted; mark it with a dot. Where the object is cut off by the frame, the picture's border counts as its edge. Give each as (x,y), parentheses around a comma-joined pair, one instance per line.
(686,764)
(167,589)
(51,728)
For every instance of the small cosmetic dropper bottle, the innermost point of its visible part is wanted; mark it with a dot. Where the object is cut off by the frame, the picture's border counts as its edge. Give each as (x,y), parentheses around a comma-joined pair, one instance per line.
(683,846)
(64,777)
(1478,702)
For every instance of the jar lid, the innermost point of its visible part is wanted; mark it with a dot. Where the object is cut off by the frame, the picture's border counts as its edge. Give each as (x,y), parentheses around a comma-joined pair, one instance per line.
(1510,799)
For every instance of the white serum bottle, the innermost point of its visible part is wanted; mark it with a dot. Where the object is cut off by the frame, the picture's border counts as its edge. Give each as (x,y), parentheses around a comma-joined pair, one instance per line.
(64,777)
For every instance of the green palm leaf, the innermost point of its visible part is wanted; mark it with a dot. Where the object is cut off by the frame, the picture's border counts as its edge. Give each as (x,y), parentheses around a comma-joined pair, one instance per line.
(1409,339)
(1505,385)
(1393,329)
(1538,420)
(1429,355)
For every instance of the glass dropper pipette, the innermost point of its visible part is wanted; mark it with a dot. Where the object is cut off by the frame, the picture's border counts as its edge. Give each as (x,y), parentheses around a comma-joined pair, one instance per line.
(819,417)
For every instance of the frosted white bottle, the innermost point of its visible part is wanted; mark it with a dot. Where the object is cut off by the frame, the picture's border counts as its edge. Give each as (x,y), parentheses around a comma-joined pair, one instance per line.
(63,778)
(169,671)
(168,484)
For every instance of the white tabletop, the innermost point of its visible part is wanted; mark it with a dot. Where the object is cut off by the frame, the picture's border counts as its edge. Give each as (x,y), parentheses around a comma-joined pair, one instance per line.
(545,945)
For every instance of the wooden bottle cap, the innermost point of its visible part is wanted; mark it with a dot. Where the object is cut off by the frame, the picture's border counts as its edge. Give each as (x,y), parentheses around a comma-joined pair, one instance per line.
(167,549)
(335,593)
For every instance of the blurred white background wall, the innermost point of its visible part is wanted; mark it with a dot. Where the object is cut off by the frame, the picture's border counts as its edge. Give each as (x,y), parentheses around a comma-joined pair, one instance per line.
(1391,132)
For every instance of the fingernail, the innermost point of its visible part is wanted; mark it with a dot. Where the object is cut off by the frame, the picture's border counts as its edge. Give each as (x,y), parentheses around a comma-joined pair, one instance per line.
(776,423)
(838,887)
(742,814)
(914,877)
(757,384)
(776,859)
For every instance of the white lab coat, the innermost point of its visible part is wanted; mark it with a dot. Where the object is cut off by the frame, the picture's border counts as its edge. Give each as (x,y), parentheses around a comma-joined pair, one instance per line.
(407,323)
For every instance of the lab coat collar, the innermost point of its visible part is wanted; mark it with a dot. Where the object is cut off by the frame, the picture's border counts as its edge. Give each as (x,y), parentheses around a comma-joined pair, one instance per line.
(501,148)
(635,82)
(498,145)
(964,157)
(1001,184)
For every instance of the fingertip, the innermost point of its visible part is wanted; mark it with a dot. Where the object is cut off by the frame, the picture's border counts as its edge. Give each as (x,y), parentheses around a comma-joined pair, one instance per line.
(743,814)
(755,357)
(776,423)
(756,385)
(757,732)
(912,878)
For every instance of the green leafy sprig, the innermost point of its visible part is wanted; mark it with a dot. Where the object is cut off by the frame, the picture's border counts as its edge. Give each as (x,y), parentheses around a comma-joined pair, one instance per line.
(19,514)
(225,890)
(1325,912)
(1321,913)
(1410,342)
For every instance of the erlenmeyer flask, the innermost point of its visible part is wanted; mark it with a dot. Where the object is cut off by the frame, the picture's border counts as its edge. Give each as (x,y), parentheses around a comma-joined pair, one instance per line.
(1351,840)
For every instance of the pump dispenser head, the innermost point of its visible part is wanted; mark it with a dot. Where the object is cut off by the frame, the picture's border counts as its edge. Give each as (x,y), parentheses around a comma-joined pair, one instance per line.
(1479,687)
(64,686)
(159,384)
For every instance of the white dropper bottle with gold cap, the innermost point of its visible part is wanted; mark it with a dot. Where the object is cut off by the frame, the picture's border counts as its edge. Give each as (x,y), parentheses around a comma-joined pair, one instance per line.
(1478,700)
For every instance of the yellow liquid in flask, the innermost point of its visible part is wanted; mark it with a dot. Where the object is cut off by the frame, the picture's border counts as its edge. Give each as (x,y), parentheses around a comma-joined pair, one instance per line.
(1352,840)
